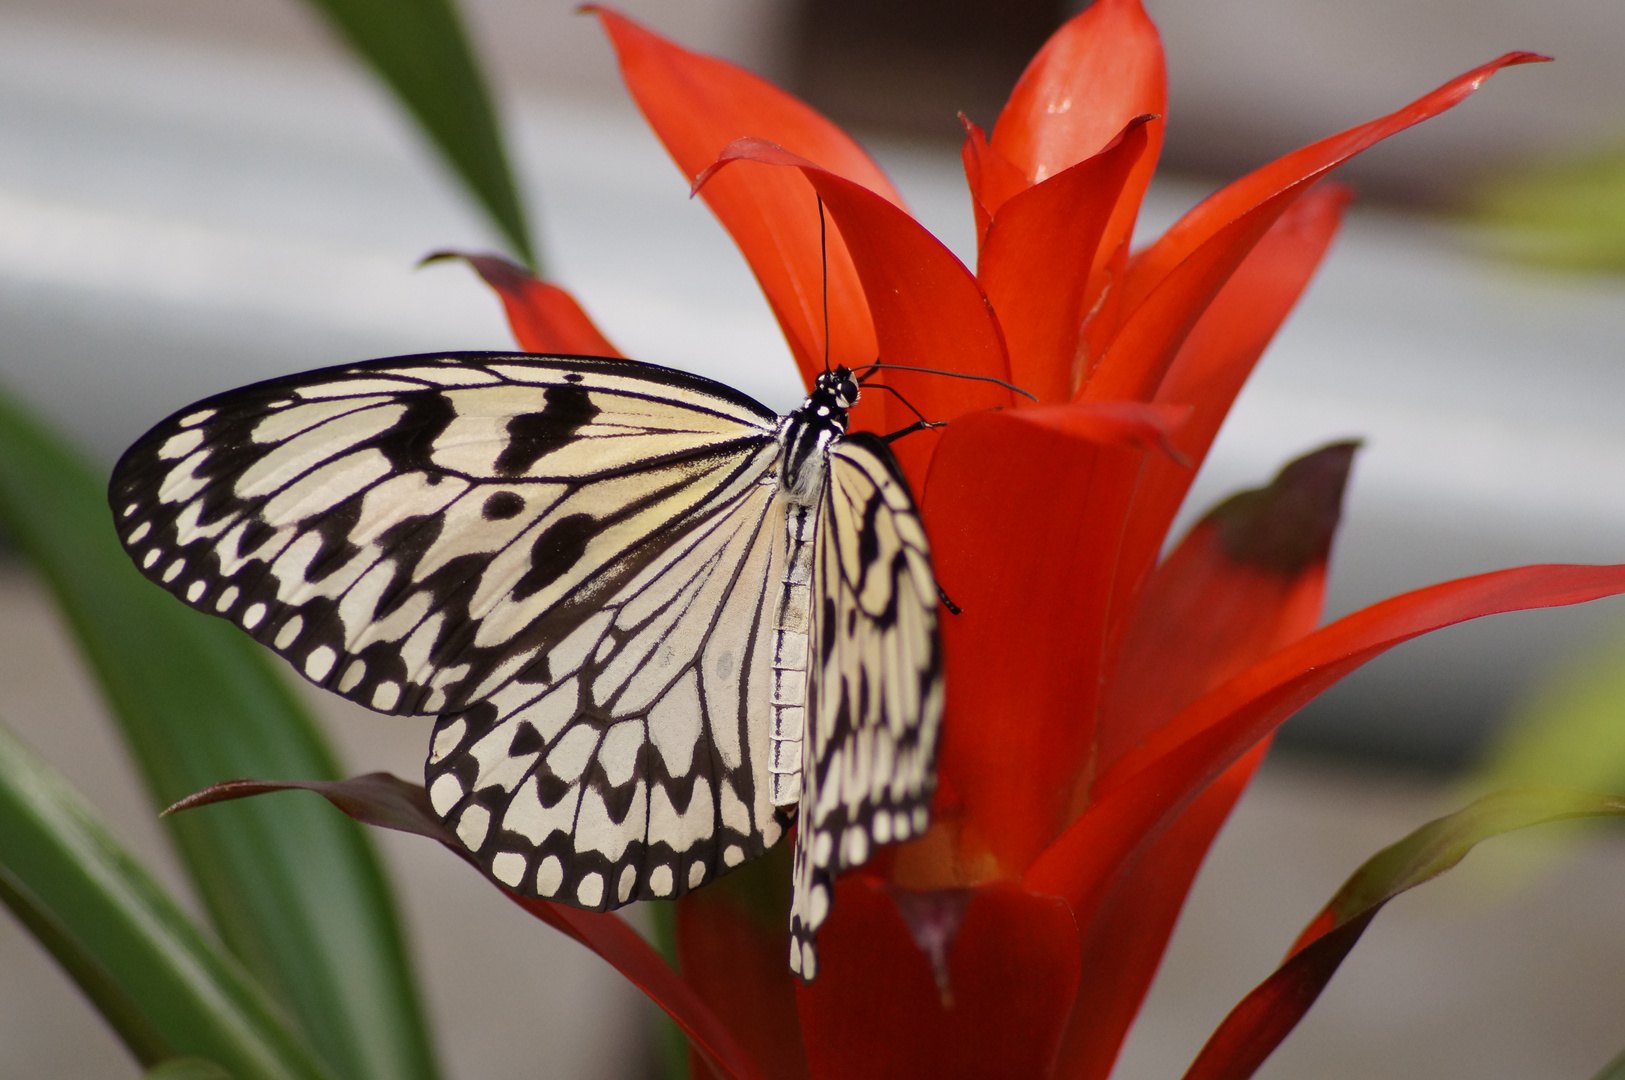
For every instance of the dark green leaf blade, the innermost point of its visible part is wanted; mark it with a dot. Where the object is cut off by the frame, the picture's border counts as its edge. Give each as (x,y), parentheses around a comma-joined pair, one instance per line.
(163,987)
(421,51)
(187,1068)
(1256,1026)
(295,891)
(1614,1070)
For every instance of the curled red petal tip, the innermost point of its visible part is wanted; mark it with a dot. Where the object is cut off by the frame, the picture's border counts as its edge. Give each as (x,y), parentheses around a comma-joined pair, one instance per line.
(749,148)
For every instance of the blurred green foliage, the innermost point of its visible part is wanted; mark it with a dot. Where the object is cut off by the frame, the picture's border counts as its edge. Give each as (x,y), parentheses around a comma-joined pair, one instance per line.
(1568,214)
(160,983)
(421,50)
(293,889)
(1569,730)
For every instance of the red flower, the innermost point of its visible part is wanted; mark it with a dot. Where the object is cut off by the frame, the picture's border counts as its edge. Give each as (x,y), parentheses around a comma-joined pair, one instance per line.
(1105,710)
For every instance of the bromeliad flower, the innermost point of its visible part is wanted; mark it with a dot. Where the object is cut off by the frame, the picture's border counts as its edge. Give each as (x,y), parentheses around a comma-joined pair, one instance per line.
(1105,708)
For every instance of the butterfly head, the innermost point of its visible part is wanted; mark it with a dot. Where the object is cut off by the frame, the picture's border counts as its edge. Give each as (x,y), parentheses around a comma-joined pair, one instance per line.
(841,386)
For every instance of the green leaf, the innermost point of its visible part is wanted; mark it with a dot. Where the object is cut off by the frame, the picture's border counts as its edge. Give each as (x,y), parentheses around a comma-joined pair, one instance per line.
(1569,213)
(422,53)
(672,1043)
(1614,1070)
(1256,1026)
(293,889)
(1569,731)
(187,1068)
(164,988)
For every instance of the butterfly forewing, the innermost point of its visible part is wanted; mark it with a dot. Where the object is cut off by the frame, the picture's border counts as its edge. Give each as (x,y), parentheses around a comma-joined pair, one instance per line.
(406,531)
(876,696)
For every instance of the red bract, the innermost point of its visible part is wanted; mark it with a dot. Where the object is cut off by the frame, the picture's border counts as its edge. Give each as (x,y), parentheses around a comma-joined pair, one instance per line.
(1105,709)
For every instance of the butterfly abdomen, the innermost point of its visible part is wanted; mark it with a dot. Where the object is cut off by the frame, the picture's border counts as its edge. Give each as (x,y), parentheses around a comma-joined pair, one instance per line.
(792,627)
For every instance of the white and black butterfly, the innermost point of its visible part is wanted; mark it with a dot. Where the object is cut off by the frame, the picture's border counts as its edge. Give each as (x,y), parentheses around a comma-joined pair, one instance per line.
(651,614)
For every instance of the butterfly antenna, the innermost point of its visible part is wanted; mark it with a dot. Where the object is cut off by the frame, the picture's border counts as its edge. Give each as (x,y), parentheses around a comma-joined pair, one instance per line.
(823,265)
(906,404)
(878,366)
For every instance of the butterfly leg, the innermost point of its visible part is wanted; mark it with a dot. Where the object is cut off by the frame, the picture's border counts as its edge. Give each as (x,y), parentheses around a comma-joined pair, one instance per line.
(953,608)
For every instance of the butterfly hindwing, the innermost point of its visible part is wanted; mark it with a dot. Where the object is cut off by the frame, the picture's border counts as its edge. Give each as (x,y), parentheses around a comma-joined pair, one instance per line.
(638,770)
(410,532)
(876,693)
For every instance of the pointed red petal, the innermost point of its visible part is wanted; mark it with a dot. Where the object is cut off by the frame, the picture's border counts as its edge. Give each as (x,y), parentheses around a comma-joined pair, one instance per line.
(991,177)
(1171,283)
(1100,70)
(1246,582)
(1023,659)
(1097,72)
(1038,256)
(875,1010)
(1151,336)
(1153,783)
(544,318)
(697,105)
(1215,361)
(1123,945)
(928,309)
(1292,173)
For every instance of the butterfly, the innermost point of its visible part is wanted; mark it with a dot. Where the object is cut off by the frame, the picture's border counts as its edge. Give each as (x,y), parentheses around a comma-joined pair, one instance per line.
(656,620)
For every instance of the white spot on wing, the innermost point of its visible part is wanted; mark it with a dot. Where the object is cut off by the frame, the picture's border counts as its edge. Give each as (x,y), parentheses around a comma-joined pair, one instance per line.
(735,814)
(681,831)
(346,387)
(447,739)
(353,676)
(180,445)
(629,878)
(386,696)
(289,632)
(320,662)
(674,725)
(549,876)
(509,868)
(529,818)
(618,754)
(472,826)
(597,831)
(660,880)
(569,756)
(445,793)
(590,893)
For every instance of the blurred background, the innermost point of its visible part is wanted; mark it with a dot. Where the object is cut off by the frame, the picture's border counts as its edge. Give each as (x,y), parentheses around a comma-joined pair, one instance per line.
(195,194)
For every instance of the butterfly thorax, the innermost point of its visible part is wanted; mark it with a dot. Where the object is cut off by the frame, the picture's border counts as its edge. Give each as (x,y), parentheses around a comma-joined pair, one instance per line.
(807,433)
